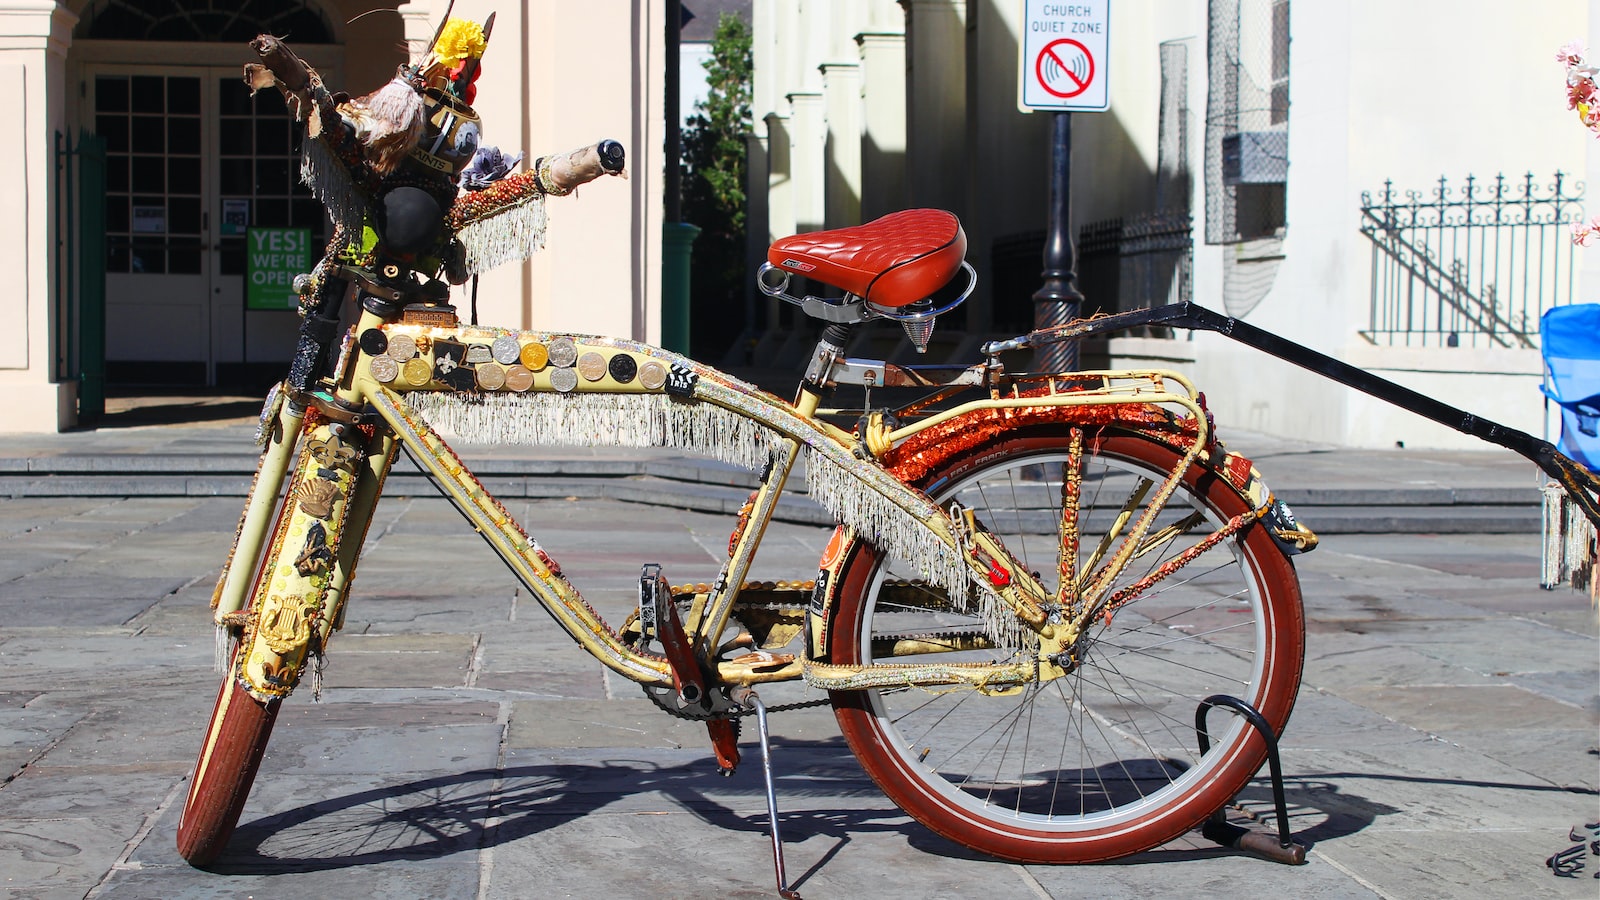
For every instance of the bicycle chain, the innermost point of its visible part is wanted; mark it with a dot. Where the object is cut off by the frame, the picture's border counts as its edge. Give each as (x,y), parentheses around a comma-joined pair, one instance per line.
(657,696)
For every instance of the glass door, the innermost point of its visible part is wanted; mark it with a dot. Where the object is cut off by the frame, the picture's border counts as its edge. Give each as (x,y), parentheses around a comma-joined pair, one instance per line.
(194,162)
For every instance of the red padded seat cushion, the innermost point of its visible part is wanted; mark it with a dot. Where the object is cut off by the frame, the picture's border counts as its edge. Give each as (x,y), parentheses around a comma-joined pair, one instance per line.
(898,259)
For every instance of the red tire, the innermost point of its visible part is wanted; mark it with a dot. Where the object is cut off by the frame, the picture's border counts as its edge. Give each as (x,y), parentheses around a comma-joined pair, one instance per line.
(229,758)
(1103,762)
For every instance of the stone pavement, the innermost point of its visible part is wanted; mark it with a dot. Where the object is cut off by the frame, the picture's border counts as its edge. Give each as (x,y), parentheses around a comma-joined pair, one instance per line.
(1444,743)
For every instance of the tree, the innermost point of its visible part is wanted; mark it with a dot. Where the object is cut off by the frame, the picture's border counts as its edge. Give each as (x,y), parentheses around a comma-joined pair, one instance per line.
(714,164)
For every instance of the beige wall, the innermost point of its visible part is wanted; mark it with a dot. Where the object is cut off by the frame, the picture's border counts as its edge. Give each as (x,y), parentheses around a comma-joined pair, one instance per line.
(600,270)
(33,42)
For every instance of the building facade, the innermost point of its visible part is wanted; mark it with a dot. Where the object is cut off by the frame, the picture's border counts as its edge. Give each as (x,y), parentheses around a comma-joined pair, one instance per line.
(1389,184)
(191,161)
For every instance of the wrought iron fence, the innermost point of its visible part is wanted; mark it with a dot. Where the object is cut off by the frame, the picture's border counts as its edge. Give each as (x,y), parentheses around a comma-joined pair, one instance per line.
(1470,266)
(1139,261)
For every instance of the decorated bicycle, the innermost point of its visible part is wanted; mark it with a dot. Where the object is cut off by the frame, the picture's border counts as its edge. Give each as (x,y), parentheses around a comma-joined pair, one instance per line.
(1035,578)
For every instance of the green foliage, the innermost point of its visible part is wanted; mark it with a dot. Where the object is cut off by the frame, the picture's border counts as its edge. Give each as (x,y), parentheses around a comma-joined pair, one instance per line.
(714,167)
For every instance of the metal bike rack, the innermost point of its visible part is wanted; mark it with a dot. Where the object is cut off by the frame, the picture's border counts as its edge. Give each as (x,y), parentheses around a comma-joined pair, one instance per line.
(1285,849)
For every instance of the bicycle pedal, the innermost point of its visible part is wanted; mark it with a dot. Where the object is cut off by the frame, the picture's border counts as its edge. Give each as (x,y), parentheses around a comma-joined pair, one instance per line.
(725,743)
(658,616)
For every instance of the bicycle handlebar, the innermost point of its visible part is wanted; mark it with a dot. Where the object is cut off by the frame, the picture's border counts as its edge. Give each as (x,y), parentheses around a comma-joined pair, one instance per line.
(561,174)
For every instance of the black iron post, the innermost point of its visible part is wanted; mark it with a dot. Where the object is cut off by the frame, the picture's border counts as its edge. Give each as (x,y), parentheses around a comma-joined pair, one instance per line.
(674,150)
(1058,301)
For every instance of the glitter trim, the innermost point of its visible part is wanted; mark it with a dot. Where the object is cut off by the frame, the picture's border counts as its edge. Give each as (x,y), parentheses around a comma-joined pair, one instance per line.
(598,420)
(508,236)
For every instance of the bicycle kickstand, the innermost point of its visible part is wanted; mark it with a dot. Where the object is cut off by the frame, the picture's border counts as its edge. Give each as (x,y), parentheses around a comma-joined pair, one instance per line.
(747,697)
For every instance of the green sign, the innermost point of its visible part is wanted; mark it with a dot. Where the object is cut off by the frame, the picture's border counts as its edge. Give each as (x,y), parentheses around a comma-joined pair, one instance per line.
(273,257)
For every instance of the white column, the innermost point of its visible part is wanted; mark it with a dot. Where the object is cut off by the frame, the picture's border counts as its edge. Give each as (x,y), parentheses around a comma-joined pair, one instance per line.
(841,94)
(883,122)
(807,135)
(37,392)
(936,101)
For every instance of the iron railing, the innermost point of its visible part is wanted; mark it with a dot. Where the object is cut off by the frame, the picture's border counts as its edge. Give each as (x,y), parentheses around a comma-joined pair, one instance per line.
(1473,266)
(1138,262)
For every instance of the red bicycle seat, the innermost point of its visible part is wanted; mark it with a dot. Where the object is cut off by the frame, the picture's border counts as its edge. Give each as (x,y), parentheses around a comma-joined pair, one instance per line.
(898,259)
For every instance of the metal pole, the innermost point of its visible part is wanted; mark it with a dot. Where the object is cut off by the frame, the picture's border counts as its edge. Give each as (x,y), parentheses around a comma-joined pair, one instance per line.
(674,149)
(1058,301)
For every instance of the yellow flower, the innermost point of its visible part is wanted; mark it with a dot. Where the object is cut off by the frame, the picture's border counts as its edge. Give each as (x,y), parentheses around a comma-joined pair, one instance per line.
(460,39)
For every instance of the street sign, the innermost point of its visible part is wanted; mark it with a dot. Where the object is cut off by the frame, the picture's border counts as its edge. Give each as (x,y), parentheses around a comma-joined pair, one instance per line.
(1064,56)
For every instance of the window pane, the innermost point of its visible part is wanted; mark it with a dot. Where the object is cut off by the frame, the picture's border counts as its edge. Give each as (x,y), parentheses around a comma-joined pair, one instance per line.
(184,260)
(233,97)
(272,213)
(183,134)
(272,176)
(148,260)
(235,175)
(232,256)
(149,134)
(235,137)
(147,94)
(110,94)
(149,174)
(114,129)
(117,174)
(117,213)
(307,214)
(272,137)
(183,215)
(183,176)
(183,96)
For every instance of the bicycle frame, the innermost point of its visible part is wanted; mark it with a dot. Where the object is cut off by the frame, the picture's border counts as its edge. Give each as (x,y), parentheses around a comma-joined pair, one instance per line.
(681,403)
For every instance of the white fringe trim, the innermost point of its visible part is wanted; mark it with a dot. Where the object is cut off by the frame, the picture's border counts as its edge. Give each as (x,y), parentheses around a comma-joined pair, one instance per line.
(509,236)
(598,420)
(1569,542)
(902,534)
(331,184)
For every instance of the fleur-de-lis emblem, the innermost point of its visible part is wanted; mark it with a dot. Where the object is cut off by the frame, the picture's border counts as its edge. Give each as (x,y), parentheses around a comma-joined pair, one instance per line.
(332,453)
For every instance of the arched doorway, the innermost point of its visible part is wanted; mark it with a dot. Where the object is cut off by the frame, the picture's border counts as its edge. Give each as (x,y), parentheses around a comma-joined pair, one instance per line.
(192,163)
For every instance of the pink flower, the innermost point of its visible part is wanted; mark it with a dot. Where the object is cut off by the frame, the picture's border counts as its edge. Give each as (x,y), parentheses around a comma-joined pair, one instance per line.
(1585,233)
(1570,52)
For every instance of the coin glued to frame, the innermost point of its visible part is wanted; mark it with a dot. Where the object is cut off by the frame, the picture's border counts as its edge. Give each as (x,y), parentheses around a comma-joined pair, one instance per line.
(417,372)
(592,366)
(623,368)
(535,355)
(373,341)
(563,380)
(653,375)
(505,350)
(518,378)
(385,369)
(491,377)
(401,347)
(563,352)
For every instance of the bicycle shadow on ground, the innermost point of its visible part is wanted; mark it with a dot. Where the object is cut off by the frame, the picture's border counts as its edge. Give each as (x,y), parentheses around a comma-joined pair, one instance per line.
(485,808)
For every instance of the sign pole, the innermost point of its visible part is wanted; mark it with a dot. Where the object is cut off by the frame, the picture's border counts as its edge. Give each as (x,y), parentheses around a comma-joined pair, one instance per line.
(1058,301)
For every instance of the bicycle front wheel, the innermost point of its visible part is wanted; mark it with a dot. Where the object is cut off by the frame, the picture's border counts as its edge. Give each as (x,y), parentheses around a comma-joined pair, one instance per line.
(235,741)
(1103,762)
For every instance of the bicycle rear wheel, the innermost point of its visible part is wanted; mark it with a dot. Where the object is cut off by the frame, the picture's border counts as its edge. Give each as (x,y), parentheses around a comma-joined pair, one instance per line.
(235,742)
(1103,762)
